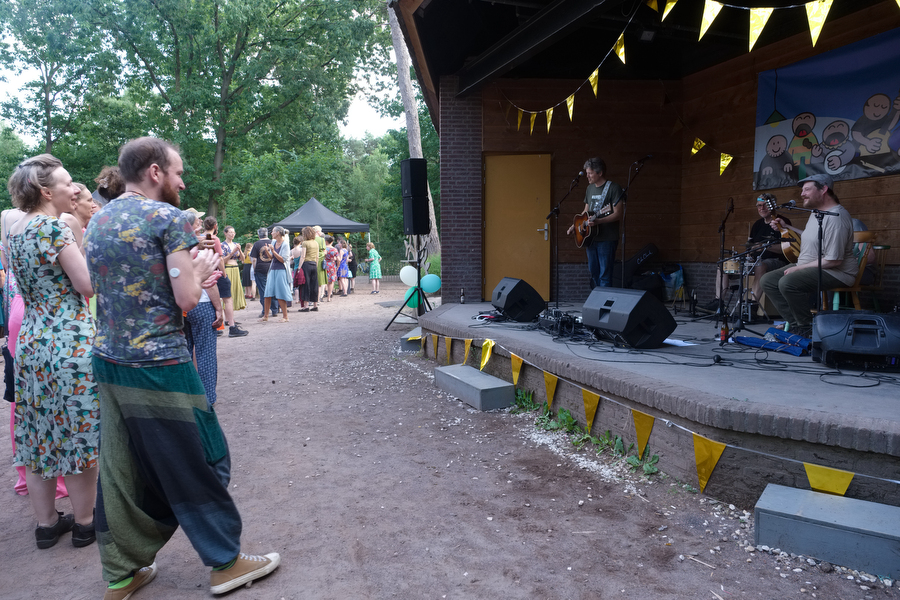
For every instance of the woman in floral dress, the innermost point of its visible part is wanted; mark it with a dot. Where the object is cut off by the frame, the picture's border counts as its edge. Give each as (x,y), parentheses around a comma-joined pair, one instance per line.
(332,258)
(57,421)
(374,261)
(343,271)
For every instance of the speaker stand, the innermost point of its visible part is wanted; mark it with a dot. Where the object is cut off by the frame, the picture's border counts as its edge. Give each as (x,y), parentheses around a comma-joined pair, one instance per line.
(423,306)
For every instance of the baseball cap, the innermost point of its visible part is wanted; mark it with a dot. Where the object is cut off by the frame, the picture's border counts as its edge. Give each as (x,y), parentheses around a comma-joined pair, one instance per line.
(820,178)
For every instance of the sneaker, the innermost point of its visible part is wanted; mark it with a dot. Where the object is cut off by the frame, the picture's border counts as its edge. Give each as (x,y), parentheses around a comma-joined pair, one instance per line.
(141,578)
(245,570)
(219,332)
(83,535)
(47,537)
(235,331)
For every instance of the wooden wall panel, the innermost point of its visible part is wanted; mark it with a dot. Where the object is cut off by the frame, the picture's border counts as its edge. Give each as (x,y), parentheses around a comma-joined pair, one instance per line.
(628,121)
(719,106)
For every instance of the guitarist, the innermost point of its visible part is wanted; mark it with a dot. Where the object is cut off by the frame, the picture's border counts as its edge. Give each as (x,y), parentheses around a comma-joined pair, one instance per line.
(599,222)
(789,287)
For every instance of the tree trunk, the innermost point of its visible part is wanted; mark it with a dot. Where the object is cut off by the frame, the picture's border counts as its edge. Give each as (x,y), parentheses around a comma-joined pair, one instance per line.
(413,132)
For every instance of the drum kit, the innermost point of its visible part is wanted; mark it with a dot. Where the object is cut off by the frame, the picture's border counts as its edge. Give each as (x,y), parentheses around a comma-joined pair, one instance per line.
(742,265)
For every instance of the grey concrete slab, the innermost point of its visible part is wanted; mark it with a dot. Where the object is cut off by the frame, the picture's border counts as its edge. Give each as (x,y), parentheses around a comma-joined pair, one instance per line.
(478,390)
(407,344)
(844,531)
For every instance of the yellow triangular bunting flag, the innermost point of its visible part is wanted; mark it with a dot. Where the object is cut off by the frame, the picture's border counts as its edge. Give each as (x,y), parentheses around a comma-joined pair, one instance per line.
(620,47)
(448,341)
(519,124)
(707,454)
(549,118)
(816,13)
(466,355)
(593,79)
(724,161)
(516,367)
(698,143)
(434,344)
(550,385)
(653,6)
(533,117)
(669,6)
(828,480)
(758,19)
(591,400)
(486,347)
(570,101)
(643,425)
(710,12)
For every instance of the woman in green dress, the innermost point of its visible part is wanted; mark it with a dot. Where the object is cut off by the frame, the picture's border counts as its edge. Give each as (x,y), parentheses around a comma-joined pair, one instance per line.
(374,261)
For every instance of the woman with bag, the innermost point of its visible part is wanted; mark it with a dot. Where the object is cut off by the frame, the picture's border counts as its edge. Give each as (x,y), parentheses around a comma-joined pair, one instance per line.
(278,284)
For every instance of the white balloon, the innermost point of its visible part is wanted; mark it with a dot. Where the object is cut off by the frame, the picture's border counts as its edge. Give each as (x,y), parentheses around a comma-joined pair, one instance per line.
(408,275)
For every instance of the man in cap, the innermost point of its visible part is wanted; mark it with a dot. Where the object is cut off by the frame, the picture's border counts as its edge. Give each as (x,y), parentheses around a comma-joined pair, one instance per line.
(789,288)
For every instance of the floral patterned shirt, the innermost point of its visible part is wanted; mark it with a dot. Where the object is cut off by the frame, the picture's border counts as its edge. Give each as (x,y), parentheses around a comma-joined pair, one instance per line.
(126,243)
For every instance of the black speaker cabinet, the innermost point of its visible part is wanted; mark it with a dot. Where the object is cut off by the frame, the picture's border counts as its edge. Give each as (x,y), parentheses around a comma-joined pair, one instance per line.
(632,316)
(415,215)
(857,339)
(517,300)
(413,178)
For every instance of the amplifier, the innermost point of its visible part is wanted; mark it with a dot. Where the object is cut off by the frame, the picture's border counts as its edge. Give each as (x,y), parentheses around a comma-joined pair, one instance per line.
(857,339)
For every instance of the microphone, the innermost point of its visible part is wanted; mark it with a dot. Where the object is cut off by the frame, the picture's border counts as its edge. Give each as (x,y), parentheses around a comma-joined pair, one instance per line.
(731,205)
(577,177)
(648,157)
(790,204)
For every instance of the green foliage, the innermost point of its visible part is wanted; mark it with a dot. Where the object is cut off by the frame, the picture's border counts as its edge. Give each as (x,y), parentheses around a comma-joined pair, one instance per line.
(525,402)
(434,264)
(12,152)
(564,421)
(646,463)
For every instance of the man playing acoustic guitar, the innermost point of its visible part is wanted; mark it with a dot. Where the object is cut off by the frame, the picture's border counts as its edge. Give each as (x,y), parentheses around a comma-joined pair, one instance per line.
(597,226)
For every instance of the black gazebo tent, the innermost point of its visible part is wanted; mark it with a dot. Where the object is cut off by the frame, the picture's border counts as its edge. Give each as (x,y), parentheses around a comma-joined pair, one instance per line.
(314,213)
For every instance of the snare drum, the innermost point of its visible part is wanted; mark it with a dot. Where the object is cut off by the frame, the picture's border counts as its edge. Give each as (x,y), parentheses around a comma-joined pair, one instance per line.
(732,267)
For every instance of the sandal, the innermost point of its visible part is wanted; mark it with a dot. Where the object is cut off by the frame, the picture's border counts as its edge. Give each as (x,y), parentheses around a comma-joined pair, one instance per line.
(284,321)
(263,320)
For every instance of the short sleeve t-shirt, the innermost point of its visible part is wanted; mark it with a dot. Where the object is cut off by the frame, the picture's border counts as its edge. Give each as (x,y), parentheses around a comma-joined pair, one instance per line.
(600,200)
(126,244)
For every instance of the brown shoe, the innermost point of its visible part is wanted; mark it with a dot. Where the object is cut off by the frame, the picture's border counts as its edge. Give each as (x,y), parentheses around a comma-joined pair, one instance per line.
(141,578)
(244,571)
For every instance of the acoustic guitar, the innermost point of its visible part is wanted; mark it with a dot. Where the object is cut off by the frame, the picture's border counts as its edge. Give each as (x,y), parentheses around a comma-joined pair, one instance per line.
(790,249)
(584,233)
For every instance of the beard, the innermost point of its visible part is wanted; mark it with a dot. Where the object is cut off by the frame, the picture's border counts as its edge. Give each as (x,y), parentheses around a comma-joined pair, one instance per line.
(170,194)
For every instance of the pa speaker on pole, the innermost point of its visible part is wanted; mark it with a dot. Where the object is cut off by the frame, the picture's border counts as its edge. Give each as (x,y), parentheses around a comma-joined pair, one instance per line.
(517,300)
(414,187)
(634,317)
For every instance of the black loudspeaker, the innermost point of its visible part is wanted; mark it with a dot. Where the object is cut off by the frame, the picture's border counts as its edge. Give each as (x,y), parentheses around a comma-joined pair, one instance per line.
(631,316)
(517,300)
(857,339)
(413,178)
(415,215)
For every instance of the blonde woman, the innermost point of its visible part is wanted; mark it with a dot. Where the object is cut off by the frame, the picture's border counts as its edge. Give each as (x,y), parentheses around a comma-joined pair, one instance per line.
(374,261)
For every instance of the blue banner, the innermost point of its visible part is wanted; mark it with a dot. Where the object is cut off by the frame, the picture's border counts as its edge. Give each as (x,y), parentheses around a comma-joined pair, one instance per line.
(835,113)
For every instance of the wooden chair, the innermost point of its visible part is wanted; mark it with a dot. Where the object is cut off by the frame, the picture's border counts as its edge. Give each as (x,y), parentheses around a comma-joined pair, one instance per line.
(877,284)
(864,241)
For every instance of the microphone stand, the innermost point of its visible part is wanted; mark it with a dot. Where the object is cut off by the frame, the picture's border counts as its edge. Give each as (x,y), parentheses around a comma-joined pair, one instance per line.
(555,214)
(721,267)
(636,166)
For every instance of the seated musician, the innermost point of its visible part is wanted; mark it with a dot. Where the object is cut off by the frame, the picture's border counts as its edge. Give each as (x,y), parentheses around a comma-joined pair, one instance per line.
(602,202)
(772,256)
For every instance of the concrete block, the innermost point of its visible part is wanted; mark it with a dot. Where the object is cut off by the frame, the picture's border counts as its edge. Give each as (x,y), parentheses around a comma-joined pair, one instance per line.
(477,389)
(844,531)
(410,345)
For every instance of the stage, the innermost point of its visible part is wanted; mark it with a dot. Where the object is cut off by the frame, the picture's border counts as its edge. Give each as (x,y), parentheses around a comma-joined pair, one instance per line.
(773,411)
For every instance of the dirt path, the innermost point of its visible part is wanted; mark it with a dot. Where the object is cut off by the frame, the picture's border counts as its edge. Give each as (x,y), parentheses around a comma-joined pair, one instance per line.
(372,483)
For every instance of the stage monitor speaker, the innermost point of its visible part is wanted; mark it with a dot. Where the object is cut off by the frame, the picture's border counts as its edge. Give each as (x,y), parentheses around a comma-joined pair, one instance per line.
(415,215)
(631,316)
(517,300)
(414,178)
(857,339)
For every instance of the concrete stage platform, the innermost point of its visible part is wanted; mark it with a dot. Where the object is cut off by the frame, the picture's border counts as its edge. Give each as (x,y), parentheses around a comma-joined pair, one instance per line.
(774,411)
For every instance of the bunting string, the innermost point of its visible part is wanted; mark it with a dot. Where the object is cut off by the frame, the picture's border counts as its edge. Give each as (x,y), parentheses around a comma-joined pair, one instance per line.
(707,452)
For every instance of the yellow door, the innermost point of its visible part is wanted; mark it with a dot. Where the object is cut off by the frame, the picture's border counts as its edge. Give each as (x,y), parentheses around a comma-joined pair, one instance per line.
(516,230)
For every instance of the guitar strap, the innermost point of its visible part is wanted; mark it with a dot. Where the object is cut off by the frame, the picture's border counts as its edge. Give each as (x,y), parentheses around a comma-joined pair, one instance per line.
(603,194)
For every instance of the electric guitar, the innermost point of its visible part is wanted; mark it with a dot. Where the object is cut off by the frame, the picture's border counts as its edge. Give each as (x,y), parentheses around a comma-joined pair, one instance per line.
(790,249)
(584,233)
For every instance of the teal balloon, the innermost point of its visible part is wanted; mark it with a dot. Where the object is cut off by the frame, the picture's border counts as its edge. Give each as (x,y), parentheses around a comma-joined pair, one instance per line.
(414,300)
(431,283)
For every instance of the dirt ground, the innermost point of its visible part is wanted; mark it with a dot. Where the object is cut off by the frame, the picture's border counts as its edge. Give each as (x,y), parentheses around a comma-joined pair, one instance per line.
(373,483)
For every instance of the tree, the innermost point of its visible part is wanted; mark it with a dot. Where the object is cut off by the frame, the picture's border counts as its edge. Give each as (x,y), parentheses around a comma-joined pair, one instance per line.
(224,69)
(413,133)
(71,59)
(12,152)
